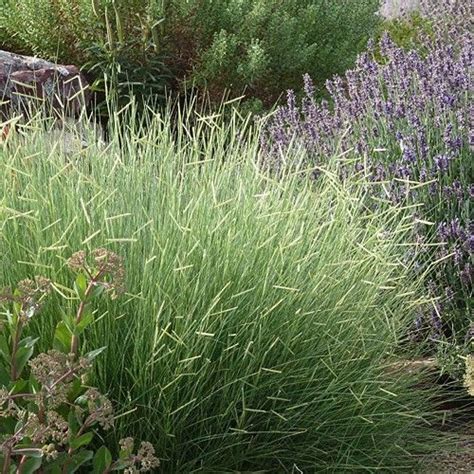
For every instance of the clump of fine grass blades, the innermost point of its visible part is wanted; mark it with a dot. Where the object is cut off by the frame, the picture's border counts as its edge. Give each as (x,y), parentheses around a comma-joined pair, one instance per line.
(262,317)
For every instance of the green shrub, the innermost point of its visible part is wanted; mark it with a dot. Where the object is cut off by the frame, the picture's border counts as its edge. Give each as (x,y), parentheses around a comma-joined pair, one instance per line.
(262,319)
(259,47)
(266,46)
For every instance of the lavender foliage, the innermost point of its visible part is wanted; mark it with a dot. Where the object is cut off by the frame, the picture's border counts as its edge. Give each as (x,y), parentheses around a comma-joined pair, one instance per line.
(405,123)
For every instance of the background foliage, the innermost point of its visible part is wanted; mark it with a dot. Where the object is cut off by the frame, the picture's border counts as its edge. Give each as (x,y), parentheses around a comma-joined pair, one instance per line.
(261,47)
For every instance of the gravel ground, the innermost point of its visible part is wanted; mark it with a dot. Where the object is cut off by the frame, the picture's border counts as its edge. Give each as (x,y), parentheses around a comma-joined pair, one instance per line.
(459,423)
(462,460)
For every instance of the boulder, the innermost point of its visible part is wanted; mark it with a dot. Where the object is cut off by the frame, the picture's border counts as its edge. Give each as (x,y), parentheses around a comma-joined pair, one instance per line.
(28,82)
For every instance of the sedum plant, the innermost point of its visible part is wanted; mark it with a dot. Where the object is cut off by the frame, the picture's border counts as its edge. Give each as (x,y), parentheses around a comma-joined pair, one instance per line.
(49,415)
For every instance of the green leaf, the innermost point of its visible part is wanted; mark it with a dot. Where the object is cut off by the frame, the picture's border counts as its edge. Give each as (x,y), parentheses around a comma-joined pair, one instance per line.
(4,348)
(22,356)
(62,338)
(86,320)
(73,422)
(25,443)
(4,377)
(93,354)
(16,305)
(28,452)
(97,291)
(80,285)
(69,321)
(28,342)
(53,469)
(102,460)
(31,465)
(82,440)
(19,386)
(81,401)
(7,426)
(34,386)
(119,465)
(78,460)
(76,389)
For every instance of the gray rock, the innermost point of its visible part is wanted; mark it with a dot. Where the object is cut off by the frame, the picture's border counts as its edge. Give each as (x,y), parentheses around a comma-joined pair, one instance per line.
(27,83)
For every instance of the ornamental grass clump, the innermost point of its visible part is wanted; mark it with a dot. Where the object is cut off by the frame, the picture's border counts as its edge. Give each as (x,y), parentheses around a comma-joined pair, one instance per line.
(261,321)
(404,125)
(49,414)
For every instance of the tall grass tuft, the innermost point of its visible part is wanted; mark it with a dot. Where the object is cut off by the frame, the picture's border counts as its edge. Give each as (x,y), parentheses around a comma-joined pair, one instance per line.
(262,317)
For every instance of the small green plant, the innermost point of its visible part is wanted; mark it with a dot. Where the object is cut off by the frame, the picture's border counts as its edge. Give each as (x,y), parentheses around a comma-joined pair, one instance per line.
(117,43)
(49,414)
(408,32)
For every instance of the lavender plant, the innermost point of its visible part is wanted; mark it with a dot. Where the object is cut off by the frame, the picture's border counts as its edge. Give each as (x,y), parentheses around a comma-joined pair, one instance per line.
(49,415)
(404,124)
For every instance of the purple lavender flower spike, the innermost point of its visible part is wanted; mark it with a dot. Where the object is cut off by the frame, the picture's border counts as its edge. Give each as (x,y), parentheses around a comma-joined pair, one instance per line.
(409,116)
